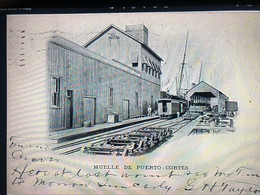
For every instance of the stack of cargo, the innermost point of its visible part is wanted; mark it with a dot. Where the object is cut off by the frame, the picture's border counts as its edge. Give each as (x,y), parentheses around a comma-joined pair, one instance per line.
(132,143)
(213,124)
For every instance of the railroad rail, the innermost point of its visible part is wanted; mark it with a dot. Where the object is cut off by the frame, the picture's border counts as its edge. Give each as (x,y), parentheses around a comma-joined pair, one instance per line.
(123,140)
(131,143)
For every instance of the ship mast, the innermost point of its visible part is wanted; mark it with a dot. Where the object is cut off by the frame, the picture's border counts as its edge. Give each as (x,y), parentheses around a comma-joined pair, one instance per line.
(182,67)
(200,70)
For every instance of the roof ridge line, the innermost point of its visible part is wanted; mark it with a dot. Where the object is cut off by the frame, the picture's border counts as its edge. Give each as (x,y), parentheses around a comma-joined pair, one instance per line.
(126,33)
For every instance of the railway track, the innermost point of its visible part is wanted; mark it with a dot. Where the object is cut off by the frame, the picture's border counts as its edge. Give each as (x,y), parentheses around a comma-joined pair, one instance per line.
(74,146)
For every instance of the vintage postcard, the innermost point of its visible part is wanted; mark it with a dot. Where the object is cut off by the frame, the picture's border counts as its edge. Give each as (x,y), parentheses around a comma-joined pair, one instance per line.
(133,103)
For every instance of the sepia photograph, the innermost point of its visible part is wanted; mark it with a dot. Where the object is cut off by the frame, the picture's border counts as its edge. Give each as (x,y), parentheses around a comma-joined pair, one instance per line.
(133,103)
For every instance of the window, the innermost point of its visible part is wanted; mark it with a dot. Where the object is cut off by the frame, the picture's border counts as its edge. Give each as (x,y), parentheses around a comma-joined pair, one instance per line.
(164,106)
(136,99)
(69,93)
(150,70)
(153,73)
(143,66)
(55,87)
(134,59)
(134,64)
(152,101)
(159,75)
(110,97)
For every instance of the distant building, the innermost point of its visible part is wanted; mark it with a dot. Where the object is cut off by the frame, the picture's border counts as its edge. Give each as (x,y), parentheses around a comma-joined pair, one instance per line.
(204,94)
(115,72)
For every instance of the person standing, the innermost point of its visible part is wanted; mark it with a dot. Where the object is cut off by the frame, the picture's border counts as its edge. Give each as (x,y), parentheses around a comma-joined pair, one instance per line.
(149,109)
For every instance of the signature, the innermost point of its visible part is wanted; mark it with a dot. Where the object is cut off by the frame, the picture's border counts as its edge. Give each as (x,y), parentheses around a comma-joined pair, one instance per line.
(231,186)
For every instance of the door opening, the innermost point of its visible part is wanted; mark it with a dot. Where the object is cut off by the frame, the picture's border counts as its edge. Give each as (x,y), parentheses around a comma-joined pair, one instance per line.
(125,110)
(69,109)
(89,110)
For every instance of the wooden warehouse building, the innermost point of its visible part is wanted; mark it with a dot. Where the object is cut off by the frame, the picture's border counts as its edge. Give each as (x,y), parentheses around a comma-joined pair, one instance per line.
(115,72)
(204,94)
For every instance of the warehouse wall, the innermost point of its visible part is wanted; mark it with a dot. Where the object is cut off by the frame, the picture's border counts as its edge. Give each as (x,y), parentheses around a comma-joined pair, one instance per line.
(90,75)
(115,45)
(155,60)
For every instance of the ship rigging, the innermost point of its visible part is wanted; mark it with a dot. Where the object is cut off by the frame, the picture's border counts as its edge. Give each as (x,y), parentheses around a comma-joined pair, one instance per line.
(180,91)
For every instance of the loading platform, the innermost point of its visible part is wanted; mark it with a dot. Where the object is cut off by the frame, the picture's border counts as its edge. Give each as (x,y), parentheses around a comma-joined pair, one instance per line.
(213,124)
(72,134)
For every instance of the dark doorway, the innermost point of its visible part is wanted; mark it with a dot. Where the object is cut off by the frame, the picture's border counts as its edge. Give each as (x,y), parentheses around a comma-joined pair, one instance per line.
(69,109)
(145,108)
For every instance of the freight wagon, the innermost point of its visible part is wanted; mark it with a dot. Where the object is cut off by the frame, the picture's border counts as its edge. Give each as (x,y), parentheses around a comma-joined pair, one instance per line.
(170,108)
(231,108)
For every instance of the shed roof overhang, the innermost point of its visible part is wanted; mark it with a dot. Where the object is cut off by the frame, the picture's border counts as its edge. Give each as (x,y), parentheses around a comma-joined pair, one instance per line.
(204,94)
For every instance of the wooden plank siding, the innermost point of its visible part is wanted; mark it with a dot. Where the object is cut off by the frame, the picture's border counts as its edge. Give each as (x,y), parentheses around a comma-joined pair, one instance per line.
(91,75)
